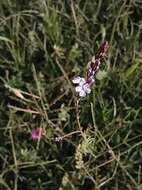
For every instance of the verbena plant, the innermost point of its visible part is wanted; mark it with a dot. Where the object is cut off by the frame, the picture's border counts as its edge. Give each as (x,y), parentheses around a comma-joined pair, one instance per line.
(50,139)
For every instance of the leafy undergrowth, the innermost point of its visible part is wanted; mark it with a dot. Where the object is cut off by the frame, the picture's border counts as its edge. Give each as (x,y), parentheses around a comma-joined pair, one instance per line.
(91,143)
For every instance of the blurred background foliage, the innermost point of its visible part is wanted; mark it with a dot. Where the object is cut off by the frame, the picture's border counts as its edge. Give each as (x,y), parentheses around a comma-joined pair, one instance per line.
(43,45)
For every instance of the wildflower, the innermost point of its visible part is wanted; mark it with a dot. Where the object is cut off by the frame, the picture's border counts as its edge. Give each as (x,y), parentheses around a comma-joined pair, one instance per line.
(83,86)
(37,133)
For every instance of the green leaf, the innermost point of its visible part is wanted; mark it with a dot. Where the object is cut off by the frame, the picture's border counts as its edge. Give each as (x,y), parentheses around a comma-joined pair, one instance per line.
(131,69)
(5,39)
(101,75)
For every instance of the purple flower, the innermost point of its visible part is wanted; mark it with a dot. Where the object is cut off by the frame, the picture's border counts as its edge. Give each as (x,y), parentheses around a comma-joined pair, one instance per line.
(94,67)
(83,86)
(37,133)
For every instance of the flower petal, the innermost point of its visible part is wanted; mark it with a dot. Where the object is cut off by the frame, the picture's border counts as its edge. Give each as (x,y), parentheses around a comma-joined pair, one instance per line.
(82,81)
(86,88)
(37,133)
(76,80)
(78,89)
(82,93)
(92,80)
(88,91)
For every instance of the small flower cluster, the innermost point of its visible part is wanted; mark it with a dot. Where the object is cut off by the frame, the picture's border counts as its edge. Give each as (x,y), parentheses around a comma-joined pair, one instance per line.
(84,84)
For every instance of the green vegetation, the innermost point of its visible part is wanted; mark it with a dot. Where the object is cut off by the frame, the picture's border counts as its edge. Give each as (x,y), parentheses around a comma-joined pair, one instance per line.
(43,45)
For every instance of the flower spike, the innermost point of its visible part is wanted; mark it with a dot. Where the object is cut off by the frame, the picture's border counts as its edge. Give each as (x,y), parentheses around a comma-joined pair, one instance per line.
(84,85)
